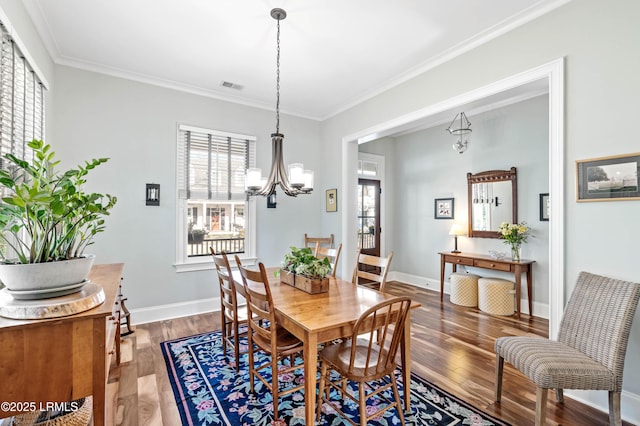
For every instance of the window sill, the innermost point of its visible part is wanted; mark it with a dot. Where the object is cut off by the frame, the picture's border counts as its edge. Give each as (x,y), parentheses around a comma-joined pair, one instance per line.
(206,264)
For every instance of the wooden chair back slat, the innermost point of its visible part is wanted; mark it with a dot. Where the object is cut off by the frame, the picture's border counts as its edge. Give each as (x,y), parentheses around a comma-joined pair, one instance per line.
(259,300)
(387,320)
(332,253)
(382,263)
(316,242)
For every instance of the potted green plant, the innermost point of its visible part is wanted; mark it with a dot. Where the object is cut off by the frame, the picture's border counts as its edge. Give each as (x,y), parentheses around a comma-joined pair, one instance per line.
(195,235)
(47,221)
(301,269)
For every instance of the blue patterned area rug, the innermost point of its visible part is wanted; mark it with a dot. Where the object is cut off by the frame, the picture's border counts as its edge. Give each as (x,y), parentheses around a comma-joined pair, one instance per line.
(209,391)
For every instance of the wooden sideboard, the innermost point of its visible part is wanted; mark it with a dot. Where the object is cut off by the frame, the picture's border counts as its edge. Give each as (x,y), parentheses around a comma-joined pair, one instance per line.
(63,359)
(488,262)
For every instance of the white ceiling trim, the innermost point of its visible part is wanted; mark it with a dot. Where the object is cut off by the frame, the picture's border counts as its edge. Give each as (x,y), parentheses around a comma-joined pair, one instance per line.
(538,9)
(489,34)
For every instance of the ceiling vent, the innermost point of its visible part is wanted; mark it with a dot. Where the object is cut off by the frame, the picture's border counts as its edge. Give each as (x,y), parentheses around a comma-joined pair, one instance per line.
(231,85)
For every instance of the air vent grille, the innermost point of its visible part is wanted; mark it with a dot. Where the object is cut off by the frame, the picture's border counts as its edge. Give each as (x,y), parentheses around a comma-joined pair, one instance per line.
(231,85)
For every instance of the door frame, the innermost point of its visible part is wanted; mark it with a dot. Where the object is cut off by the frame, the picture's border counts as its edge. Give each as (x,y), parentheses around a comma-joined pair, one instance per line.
(553,73)
(378,217)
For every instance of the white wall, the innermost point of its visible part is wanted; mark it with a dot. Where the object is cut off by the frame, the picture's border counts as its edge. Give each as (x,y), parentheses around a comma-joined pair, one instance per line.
(135,125)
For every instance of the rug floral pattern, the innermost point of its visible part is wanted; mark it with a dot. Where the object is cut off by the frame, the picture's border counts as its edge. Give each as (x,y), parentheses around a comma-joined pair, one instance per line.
(209,391)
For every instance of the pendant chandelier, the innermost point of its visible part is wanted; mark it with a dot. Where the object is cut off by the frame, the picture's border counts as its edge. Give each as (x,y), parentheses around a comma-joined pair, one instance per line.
(460,128)
(297,180)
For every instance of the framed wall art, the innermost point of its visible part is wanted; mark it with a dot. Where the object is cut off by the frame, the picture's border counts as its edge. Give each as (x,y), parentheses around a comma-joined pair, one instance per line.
(443,208)
(612,178)
(544,207)
(332,200)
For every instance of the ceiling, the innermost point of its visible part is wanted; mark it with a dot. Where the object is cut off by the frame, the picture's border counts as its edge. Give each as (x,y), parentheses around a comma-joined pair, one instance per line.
(334,53)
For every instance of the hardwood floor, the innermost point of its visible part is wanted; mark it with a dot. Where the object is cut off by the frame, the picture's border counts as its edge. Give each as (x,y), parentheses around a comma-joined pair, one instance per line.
(451,346)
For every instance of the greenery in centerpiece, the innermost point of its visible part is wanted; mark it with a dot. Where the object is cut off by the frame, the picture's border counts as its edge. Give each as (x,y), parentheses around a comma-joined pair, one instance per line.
(301,261)
(45,216)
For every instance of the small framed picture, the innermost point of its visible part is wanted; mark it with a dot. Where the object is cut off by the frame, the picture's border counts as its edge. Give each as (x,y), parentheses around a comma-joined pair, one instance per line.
(612,178)
(544,207)
(443,208)
(332,200)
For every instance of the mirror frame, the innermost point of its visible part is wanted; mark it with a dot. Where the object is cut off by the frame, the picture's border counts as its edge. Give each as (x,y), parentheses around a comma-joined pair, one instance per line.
(487,177)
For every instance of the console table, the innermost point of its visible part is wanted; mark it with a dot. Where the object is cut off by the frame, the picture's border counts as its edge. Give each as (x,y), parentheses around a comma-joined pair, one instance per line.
(488,262)
(63,359)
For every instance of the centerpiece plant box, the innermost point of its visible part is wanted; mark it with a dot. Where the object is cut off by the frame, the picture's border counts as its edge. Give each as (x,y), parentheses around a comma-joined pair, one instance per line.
(306,284)
(302,270)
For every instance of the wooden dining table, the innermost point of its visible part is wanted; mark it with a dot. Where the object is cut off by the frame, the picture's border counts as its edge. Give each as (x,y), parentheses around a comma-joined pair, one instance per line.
(322,317)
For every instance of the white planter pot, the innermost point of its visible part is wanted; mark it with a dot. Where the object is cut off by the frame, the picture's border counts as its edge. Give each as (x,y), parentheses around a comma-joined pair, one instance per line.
(33,277)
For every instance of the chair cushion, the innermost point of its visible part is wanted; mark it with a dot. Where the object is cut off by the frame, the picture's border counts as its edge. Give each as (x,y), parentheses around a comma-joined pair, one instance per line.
(552,364)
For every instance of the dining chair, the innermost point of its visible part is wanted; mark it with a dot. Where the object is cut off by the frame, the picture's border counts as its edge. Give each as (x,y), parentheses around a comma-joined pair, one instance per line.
(363,361)
(376,269)
(590,350)
(333,254)
(268,335)
(231,315)
(317,242)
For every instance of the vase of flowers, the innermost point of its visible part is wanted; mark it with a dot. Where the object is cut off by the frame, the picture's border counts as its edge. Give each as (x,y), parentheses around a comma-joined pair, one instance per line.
(514,234)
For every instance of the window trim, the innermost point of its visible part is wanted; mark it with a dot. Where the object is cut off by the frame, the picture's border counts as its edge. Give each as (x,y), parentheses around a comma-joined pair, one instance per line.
(184,263)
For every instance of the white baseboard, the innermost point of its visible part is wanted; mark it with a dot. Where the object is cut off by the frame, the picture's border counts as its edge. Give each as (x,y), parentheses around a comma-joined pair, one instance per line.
(629,402)
(174,310)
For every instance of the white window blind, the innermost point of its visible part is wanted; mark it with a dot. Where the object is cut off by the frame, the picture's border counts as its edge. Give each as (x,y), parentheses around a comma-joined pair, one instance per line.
(21,101)
(212,164)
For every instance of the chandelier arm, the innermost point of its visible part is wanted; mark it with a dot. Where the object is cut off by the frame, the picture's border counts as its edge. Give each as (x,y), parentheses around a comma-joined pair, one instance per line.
(282,171)
(270,185)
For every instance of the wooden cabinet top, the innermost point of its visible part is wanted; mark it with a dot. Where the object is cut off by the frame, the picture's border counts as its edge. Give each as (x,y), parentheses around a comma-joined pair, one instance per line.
(450,257)
(106,275)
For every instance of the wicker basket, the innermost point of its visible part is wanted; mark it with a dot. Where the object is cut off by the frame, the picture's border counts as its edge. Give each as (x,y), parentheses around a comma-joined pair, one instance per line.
(79,417)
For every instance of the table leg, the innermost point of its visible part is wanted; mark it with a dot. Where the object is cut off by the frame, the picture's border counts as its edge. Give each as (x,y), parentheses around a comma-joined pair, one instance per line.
(518,273)
(310,376)
(442,263)
(529,286)
(405,353)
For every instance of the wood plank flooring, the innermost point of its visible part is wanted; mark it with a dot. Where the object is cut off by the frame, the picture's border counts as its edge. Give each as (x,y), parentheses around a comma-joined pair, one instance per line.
(451,346)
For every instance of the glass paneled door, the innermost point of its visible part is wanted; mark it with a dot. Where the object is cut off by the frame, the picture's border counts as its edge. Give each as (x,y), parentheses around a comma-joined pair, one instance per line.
(369,216)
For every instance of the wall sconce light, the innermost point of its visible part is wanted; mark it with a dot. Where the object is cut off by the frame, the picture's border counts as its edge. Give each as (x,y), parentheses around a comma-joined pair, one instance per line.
(153,194)
(461,128)
(271,201)
(456,230)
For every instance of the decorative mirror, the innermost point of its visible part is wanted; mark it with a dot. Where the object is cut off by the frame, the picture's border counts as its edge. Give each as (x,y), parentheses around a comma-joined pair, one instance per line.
(493,199)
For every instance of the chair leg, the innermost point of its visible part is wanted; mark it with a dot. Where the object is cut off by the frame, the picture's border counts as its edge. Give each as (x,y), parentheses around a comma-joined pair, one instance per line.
(559,396)
(541,405)
(498,380)
(251,361)
(224,332)
(362,402)
(321,389)
(396,396)
(274,385)
(615,418)
(236,345)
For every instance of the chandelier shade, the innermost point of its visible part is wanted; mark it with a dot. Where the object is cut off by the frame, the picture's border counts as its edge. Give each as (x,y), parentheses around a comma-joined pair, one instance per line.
(293,180)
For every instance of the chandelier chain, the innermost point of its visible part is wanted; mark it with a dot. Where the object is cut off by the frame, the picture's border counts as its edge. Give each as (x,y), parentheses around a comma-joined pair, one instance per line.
(278,81)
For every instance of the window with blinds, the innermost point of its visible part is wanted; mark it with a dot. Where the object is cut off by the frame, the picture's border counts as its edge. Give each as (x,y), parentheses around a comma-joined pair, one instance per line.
(210,180)
(21,101)
(212,164)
